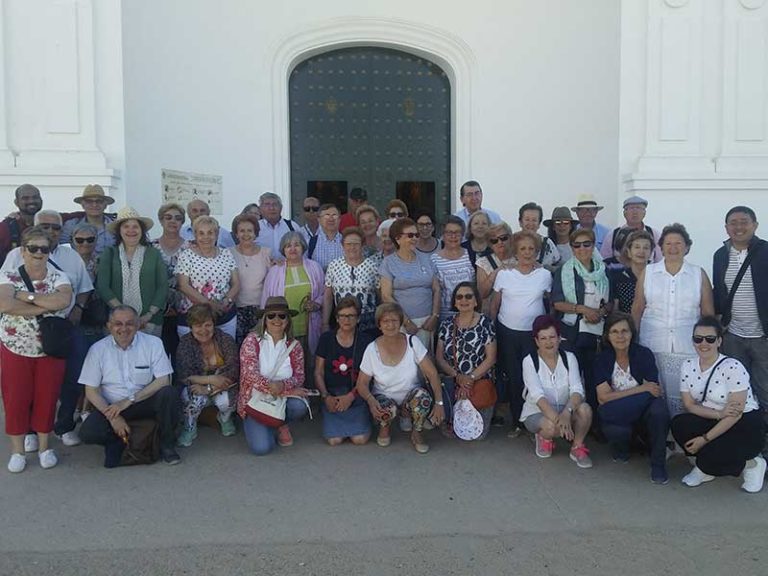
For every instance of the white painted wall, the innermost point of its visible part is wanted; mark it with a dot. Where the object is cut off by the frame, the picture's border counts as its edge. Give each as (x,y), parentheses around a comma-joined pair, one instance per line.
(543,82)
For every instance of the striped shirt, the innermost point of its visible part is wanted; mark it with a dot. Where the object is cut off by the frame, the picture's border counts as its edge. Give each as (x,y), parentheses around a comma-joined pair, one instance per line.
(326,251)
(745,321)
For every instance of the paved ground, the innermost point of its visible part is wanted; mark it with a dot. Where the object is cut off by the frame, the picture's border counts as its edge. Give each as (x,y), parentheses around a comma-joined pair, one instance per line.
(480,508)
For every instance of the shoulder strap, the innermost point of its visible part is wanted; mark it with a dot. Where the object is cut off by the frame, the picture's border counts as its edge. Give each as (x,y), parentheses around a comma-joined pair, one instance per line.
(614,241)
(26,278)
(542,250)
(564,356)
(739,276)
(52,262)
(288,223)
(312,246)
(492,262)
(535,358)
(712,373)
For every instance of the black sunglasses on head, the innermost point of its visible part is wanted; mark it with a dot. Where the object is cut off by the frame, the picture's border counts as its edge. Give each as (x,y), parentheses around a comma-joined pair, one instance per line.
(32,249)
(88,239)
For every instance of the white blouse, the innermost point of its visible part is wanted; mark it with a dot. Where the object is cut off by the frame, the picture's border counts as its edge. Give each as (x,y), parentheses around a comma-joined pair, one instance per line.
(731,376)
(672,307)
(556,386)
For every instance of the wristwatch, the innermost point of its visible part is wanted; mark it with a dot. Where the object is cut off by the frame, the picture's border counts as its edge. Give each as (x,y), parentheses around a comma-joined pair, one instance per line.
(132,398)
(30,298)
(210,389)
(440,403)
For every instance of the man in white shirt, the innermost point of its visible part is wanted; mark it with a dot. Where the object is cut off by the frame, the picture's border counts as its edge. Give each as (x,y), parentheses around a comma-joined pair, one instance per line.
(68,261)
(471,196)
(586,210)
(127,376)
(272,225)
(197,208)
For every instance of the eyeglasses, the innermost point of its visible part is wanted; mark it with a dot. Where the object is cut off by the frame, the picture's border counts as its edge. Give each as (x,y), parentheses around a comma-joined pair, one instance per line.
(273,315)
(311,208)
(424,224)
(561,222)
(452,233)
(56,227)
(32,249)
(346,316)
(410,235)
(585,244)
(464,297)
(699,339)
(88,239)
(397,214)
(177,217)
(503,238)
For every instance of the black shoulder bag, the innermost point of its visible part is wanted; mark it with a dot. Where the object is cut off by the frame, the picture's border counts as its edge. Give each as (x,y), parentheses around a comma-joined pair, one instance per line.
(56,333)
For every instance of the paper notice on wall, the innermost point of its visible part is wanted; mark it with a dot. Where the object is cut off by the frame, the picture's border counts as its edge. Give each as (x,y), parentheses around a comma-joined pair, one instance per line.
(183,187)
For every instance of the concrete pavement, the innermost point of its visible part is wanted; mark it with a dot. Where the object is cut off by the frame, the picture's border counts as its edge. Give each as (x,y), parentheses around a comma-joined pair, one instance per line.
(465,508)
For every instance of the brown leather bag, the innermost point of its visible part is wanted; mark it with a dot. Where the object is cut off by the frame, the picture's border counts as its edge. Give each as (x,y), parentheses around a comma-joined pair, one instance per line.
(483,393)
(143,443)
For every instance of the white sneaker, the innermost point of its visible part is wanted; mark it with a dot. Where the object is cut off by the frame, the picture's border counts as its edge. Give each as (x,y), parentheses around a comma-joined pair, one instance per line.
(754,475)
(696,478)
(70,438)
(31,443)
(17,463)
(48,459)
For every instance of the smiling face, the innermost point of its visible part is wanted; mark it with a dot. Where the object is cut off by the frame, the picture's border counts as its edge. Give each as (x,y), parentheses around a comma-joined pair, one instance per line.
(472,198)
(640,251)
(329,220)
(35,252)
(206,236)
(94,206)
(28,200)
(270,210)
(389,324)
(123,326)
(85,243)
(276,323)
(620,335)
(526,252)
(425,226)
(408,239)
(547,341)
(368,223)
(52,225)
(741,229)
(562,230)
(530,221)
(172,220)
(347,319)
(704,348)
(245,232)
(353,247)
(294,251)
(673,248)
(479,226)
(465,299)
(203,332)
(130,232)
(452,235)
(583,248)
(586,216)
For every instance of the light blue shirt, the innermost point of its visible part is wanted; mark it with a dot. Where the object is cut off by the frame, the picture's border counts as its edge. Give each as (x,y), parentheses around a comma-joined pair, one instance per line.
(464,215)
(326,251)
(225,237)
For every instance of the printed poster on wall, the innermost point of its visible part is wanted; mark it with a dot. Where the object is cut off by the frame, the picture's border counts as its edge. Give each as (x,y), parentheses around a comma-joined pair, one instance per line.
(183,187)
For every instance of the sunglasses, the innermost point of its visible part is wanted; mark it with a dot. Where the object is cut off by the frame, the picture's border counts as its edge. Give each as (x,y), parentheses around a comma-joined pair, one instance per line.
(464,297)
(311,208)
(273,315)
(585,244)
(89,240)
(561,222)
(32,249)
(499,239)
(346,316)
(710,339)
(410,235)
(50,226)
(396,214)
(177,217)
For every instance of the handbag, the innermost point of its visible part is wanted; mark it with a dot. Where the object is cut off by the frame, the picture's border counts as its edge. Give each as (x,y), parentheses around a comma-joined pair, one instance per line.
(143,443)
(266,408)
(483,394)
(467,421)
(56,333)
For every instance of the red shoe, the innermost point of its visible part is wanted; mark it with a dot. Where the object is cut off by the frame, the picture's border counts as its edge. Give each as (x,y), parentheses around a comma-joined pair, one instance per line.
(284,437)
(544,447)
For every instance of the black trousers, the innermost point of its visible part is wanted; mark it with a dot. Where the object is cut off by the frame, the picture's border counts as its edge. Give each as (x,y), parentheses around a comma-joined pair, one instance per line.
(164,406)
(513,347)
(726,454)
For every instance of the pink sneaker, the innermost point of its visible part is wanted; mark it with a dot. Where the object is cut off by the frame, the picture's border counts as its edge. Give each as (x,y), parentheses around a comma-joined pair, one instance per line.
(284,437)
(580,455)
(544,447)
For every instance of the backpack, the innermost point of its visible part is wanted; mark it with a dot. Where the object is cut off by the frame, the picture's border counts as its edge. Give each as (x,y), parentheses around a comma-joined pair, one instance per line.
(312,246)
(534,356)
(288,223)
(620,236)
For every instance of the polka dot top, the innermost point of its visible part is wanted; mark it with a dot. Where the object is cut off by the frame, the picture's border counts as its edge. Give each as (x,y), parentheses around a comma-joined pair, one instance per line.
(731,376)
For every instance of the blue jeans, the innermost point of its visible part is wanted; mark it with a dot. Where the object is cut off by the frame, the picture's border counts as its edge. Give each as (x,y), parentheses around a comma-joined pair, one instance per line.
(260,438)
(618,419)
(70,389)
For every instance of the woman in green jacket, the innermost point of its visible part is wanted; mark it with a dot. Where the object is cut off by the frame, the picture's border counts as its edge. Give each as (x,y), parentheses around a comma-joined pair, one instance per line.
(132,272)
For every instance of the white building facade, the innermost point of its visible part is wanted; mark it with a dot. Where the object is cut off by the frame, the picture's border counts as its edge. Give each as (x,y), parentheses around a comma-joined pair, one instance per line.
(667,99)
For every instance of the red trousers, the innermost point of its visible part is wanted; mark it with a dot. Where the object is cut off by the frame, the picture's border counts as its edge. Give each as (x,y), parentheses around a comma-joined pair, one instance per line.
(30,389)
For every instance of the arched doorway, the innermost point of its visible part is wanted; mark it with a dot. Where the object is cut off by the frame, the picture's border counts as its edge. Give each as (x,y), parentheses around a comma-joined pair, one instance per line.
(372,117)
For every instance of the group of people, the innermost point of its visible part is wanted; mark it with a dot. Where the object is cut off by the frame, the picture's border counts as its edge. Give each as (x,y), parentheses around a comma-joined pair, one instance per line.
(583,330)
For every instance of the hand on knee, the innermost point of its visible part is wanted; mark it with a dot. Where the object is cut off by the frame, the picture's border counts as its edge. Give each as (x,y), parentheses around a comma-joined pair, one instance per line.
(548,429)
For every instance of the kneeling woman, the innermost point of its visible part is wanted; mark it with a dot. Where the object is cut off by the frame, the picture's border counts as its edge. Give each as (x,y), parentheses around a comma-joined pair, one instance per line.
(337,363)
(554,395)
(393,361)
(272,362)
(208,367)
(629,394)
(722,426)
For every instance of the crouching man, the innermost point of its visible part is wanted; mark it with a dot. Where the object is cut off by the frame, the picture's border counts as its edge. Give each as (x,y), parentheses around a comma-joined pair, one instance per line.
(127,376)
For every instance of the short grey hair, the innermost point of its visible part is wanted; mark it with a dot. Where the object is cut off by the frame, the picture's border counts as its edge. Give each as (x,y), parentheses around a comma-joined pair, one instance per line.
(271,196)
(123,308)
(53,213)
(205,221)
(85,227)
(289,237)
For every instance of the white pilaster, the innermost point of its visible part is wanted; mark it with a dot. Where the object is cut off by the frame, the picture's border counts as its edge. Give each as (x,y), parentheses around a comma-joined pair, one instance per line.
(6,156)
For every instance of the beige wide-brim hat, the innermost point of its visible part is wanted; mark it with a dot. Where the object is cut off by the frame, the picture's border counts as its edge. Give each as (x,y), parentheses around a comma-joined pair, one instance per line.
(587,201)
(559,213)
(276,304)
(128,213)
(94,191)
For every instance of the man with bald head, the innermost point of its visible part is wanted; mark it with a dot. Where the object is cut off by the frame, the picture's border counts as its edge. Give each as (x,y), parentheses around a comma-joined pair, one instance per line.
(29,202)
(197,208)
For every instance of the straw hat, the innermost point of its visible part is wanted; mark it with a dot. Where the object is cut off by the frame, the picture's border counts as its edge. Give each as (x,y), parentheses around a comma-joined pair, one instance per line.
(94,191)
(559,213)
(587,201)
(128,213)
(276,304)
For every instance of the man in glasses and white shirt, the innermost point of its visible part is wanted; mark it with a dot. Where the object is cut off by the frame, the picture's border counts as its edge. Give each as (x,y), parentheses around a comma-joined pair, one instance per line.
(66,260)
(471,196)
